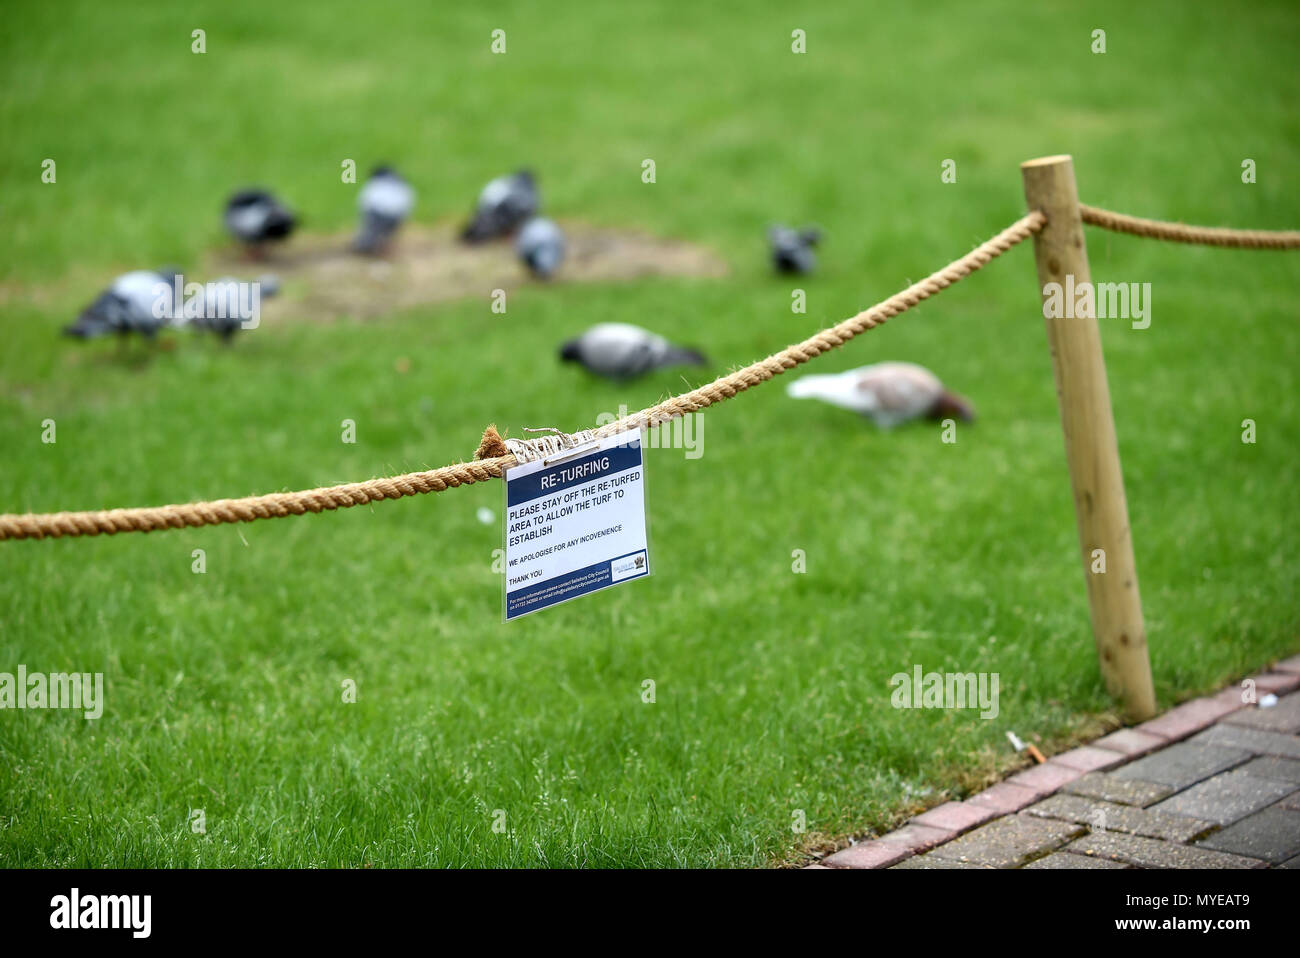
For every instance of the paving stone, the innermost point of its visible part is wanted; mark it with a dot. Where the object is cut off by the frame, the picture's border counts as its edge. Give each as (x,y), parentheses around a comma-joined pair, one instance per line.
(1289,665)
(1183,764)
(1150,853)
(917,838)
(1131,742)
(1279,683)
(1251,739)
(1226,798)
(1283,717)
(1189,717)
(1088,758)
(1124,791)
(1272,834)
(955,816)
(1281,769)
(1292,802)
(1008,842)
(1043,780)
(1069,860)
(1107,816)
(1232,695)
(1004,797)
(889,848)
(930,861)
(868,854)
(1292,863)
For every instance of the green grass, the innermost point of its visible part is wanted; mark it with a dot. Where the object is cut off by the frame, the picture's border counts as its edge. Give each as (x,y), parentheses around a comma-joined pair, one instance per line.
(223,689)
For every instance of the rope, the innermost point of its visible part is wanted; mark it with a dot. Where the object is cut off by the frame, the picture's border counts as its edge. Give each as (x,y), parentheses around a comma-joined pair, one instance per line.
(495,454)
(1182,233)
(272,506)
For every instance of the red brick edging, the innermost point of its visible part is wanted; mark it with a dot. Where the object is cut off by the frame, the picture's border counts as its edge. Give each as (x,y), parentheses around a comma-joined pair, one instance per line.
(1024,788)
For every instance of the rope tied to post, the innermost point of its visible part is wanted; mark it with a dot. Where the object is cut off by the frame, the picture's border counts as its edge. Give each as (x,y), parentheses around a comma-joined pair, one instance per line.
(1184,233)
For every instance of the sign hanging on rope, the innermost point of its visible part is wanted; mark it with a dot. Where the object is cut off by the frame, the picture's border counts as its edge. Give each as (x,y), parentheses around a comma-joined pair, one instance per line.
(575,523)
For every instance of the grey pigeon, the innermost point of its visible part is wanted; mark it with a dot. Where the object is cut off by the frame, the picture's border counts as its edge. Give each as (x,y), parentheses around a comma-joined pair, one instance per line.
(541,246)
(792,249)
(622,351)
(225,304)
(385,201)
(137,302)
(255,217)
(502,207)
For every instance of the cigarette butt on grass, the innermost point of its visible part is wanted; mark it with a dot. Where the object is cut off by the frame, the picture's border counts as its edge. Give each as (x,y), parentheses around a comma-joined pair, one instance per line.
(1020,746)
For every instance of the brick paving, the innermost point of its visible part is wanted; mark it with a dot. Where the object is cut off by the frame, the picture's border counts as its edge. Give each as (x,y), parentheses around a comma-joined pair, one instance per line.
(1212,783)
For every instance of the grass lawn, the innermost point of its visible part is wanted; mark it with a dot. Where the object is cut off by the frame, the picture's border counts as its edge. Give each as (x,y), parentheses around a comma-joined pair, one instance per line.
(772,688)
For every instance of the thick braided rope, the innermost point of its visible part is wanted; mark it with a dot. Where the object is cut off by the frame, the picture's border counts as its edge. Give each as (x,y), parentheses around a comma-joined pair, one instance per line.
(271,506)
(495,455)
(1182,233)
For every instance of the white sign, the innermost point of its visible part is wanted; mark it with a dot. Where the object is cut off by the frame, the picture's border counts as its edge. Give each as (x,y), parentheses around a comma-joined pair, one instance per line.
(575,524)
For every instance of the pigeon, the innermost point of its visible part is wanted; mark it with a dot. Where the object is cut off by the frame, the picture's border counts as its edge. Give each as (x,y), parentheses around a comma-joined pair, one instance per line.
(385,201)
(541,246)
(255,217)
(502,207)
(792,249)
(225,304)
(890,393)
(622,351)
(138,302)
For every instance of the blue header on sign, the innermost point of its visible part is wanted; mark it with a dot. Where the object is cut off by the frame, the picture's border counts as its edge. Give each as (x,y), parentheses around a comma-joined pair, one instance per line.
(573,472)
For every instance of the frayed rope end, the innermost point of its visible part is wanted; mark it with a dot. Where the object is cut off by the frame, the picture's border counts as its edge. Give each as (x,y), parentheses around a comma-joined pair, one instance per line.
(492,446)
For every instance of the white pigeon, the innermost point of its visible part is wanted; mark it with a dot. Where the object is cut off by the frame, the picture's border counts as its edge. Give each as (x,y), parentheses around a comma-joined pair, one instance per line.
(890,393)
(621,351)
(385,202)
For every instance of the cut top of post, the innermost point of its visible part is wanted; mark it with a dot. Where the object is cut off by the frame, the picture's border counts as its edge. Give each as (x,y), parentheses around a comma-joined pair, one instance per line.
(1047,161)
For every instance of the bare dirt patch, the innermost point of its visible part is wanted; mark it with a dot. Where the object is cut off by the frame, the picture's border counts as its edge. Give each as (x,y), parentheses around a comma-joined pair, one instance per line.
(323,280)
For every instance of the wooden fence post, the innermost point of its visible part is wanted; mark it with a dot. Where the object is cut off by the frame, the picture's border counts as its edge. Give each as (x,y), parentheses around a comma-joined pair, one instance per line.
(1090,444)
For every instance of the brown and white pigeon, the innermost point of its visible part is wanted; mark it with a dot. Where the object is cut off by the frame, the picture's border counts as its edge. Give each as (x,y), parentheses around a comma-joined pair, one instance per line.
(890,393)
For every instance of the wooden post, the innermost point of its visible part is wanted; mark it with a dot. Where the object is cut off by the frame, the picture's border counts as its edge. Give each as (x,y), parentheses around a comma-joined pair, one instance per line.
(1090,445)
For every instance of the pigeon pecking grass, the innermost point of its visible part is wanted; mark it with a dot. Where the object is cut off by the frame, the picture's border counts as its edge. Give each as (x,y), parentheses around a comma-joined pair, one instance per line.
(140,302)
(256,218)
(622,351)
(503,206)
(889,393)
(792,250)
(541,247)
